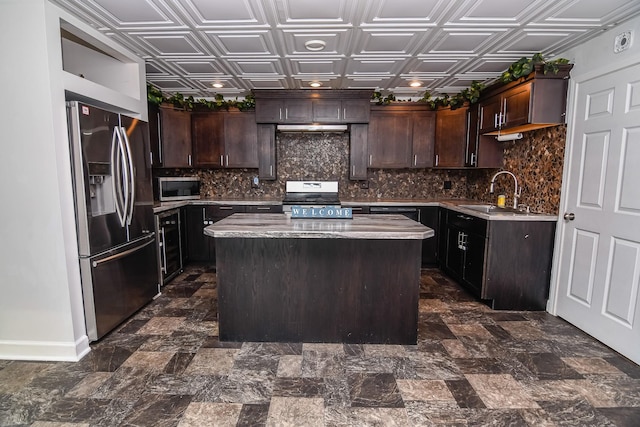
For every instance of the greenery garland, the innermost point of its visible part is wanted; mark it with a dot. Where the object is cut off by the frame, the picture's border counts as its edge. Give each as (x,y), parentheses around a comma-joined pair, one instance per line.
(523,67)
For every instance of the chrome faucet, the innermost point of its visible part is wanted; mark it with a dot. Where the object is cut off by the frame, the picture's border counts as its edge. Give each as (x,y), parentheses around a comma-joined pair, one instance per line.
(516,191)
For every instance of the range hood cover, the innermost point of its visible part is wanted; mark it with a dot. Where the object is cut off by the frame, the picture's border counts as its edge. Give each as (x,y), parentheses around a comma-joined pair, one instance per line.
(312,128)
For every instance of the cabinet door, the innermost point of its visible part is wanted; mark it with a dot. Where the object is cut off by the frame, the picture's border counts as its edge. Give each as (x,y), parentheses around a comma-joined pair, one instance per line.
(423,139)
(429,218)
(240,140)
(451,137)
(389,139)
(208,139)
(214,214)
(197,247)
(454,254)
(269,110)
(489,114)
(175,137)
(516,106)
(154,135)
(473,270)
(267,151)
(327,110)
(297,111)
(358,151)
(356,110)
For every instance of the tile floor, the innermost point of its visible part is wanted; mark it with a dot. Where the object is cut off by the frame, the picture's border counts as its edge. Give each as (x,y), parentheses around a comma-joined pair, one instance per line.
(472,366)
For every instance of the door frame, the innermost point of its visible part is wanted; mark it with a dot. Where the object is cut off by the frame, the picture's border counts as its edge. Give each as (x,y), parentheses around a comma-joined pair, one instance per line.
(555,284)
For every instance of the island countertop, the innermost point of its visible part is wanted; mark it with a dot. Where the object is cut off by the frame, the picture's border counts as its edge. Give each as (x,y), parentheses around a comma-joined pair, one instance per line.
(282,226)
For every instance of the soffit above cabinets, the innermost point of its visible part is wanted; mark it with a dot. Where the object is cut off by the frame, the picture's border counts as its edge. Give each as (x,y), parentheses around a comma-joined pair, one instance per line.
(189,45)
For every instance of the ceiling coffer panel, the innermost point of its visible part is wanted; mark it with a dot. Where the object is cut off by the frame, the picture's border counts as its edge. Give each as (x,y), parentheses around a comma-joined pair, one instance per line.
(374,44)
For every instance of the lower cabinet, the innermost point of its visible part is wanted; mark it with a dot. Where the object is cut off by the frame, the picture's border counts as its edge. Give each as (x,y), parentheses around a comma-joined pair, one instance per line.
(507,263)
(429,217)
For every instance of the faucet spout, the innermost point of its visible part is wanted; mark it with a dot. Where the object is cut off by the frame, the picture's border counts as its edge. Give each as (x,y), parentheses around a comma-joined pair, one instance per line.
(516,192)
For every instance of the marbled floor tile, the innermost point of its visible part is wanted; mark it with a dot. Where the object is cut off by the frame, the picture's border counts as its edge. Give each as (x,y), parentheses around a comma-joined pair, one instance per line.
(253,415)
(432,306)
(481,365)
(127,341)
(57,424)
(447,414)
(506,316)
(191,385)
(176,342)
(323,348)
(178,363)
(353,349)
(271,348)
(548,366)
(259,362)
(24,406)
(199,327)
(435,331)
(89,384)
(189,277)
(384,350)
(621,417)
(470,330)
(591,365)
(295,411)
(424,390)
(57,380)
(212,361)
(246,387)
(346,416)
(77,410)
(464,394)
(374,390)
(182,290)
(500,391)
(623,391)
(151,360)
(326,365)
(207,293)
(158,410)
(125,383)
(336,392)
(522,330)
(298,387)
(498,332)
(289,366)
(19,374)
(200,414)
(434,366)
(631,369)
(496,417)
(132,326)
(576,412)
(161,326)
(456,349)
(105,358)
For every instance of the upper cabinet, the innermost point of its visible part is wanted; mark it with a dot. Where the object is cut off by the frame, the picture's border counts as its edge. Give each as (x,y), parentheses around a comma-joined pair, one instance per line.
(401,136)
(532,102)
(312,106)
(170,134)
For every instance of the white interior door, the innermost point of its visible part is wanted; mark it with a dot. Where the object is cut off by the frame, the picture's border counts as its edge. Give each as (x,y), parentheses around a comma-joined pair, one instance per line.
(599,264)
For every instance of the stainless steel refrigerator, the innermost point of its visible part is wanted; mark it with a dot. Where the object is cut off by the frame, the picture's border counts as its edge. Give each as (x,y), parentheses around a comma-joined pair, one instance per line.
(114,215)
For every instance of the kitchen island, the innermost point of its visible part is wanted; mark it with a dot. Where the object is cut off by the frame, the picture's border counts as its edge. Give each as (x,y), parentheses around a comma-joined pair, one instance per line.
(318,280)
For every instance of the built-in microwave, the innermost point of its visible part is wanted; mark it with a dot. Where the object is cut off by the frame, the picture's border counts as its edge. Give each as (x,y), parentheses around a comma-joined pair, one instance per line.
(178,188)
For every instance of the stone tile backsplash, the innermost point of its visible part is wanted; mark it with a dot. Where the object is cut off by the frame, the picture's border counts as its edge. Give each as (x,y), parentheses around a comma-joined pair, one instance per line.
(536,160)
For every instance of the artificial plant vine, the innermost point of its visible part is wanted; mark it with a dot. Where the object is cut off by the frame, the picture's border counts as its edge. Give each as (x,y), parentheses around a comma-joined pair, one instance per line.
(523,67)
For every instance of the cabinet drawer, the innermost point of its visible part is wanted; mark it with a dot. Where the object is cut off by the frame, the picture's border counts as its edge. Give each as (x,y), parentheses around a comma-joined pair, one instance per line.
(263,209)
(217,212)
(468,223)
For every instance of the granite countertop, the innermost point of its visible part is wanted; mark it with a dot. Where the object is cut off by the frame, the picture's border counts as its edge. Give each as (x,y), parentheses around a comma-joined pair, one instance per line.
(379,227)
(458,205)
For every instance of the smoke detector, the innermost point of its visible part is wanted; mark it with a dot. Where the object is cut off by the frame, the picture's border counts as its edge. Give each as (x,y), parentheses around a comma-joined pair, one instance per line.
(622,42)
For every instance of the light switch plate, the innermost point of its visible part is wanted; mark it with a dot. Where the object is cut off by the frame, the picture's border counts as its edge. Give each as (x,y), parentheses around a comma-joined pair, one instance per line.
(622,42)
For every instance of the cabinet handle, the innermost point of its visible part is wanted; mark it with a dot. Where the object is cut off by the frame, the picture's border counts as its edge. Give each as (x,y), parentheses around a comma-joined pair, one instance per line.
(159,139)
(189,159)
(270,170)
(286,113)
(227,163)
(415,160)
(465,217)
(221,160)
(226,208)
(353,170)
(370,159)
(163,267)
(344,113)
(280,113)
(495,120)
(151,157)
(473,159)
(504,113)
(263,208)
(437,159)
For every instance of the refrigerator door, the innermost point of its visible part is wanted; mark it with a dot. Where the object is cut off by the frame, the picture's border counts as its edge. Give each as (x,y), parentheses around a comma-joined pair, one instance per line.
(94,142)
(117,283)
(140,216)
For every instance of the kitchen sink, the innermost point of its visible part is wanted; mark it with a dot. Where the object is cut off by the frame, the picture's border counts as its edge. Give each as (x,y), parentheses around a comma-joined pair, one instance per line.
(494,210)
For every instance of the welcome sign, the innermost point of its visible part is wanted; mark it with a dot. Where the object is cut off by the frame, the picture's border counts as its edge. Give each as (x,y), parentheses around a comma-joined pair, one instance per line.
(330,212)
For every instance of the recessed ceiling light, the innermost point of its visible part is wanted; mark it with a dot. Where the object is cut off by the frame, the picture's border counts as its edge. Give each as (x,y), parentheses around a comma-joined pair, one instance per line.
(315,45)
(217,85)
(315,84)
(415,84)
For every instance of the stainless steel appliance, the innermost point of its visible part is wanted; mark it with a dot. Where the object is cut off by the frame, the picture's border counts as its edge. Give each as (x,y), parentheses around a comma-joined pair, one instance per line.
(114,214)
(310,193)
(169,232)
(178,188)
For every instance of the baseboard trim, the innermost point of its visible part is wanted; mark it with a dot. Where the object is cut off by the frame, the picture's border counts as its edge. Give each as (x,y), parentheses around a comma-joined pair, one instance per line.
(45,350)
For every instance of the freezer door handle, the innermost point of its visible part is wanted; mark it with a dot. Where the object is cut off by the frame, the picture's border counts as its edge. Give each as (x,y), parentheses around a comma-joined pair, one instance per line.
(122,254)
(116,173)
(131,195)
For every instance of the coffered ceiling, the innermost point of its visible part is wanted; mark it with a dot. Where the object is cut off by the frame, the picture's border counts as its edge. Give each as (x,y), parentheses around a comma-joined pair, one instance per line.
(190,45)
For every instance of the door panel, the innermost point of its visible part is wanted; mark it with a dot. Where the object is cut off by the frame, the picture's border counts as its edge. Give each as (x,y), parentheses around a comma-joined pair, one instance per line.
(599,258)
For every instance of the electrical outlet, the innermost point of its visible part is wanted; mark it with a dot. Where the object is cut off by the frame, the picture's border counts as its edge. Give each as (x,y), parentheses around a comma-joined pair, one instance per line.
(447,185)
(364,184)
(622,42)
(255,182)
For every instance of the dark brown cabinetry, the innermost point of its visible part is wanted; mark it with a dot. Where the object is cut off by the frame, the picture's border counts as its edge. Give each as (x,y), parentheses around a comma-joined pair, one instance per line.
(225,139)
(267,151)
(201,248)
(428,216)
(532,102)
(170,132)
(312,106)
(401,136)
(452,137)
(505,262)
(358,151)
